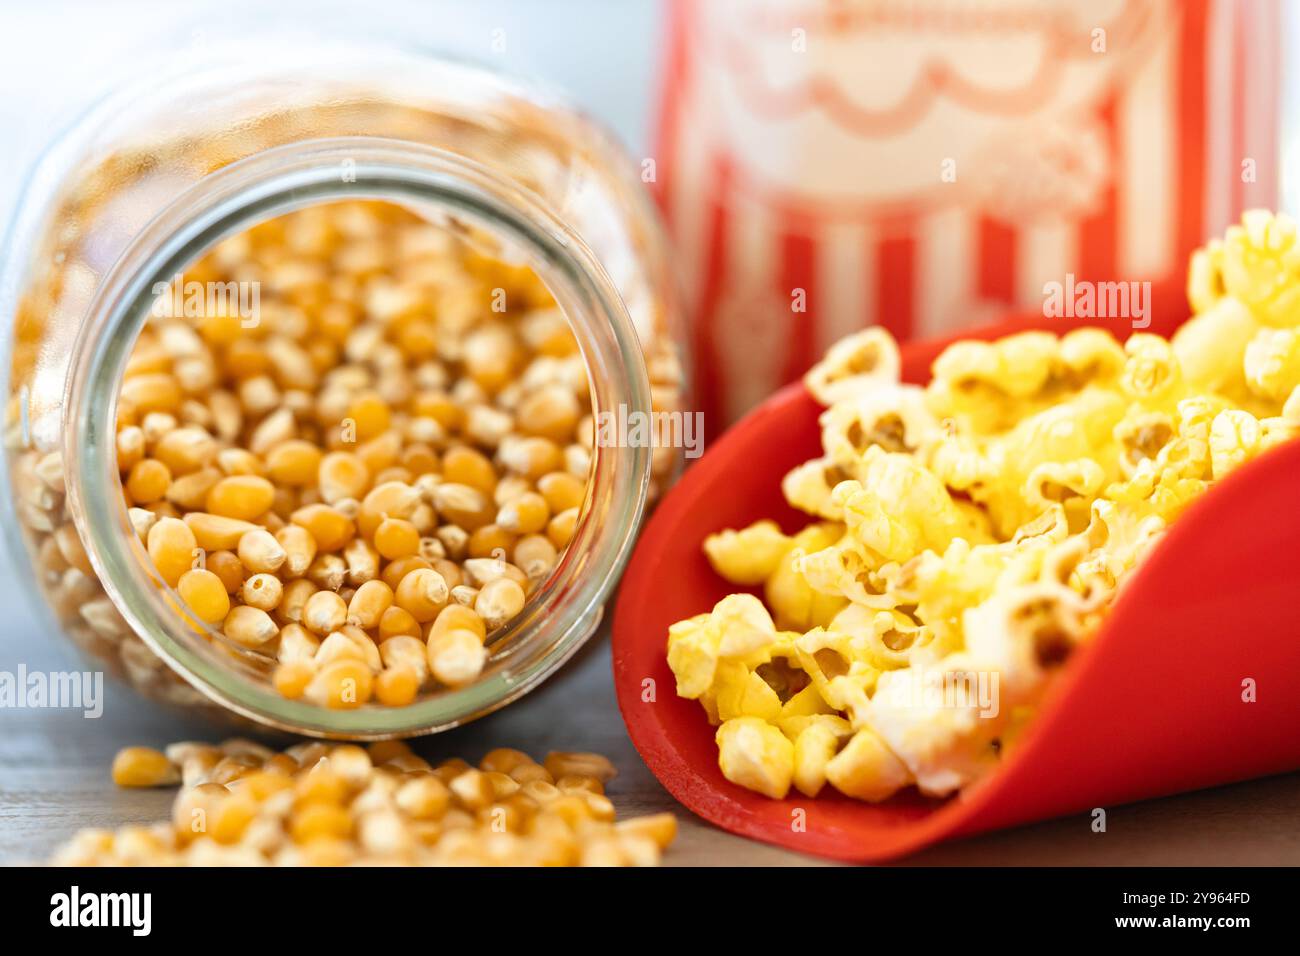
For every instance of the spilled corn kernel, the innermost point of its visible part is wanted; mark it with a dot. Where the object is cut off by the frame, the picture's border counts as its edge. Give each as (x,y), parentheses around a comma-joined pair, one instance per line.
(319,804)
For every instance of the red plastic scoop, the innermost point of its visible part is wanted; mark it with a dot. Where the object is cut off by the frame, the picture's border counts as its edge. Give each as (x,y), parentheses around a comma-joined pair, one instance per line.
(1156,702)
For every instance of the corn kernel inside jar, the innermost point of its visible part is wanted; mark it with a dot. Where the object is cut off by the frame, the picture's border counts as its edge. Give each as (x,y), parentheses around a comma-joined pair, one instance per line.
(355,443)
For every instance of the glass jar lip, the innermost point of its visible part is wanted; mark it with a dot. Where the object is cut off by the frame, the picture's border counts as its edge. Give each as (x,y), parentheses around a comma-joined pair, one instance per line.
(558,617)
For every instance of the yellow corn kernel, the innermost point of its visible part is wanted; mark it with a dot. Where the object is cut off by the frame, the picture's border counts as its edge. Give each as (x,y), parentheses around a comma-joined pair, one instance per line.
(324,612)
(70,547)
(561,527)
(144,767)
(405,650)
(422,593)
(561,490)
(660,828)
(534,555)
(330,529)
(299,549)
(148,481)
(215,533)
(525,514)
(565,764)
(249,626)
(296,643)
(441,407)
(292,677)
(369,604)
(342,475)
(395,622)
(490,541)
(451,572)
(472,789)
(328,572)
(171,546)
(371,415)
(503,760)
(205,595)
(191,491)
(260,552)
(397,686)
(319,819)
(456,657)
(151,393)
(396,538)
(295,463)
(380,456)
(337,646)
(490,356)
(239,461)
(394,571)
(241,496)
(531,457)
(294,599)
(341,684)
(362,561)
(462,505)
(551,411)
(498,601)
(263,591)
(130,447)
(389,499)
(184,450)
(458,617)
(227,567)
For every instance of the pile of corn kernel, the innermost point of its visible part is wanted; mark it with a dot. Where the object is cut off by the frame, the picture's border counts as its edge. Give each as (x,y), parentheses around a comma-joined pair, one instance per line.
(318,804)
(978,528)
(370,480)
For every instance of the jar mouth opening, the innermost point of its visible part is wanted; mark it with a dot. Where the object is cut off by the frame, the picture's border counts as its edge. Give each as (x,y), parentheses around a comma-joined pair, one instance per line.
(433,183)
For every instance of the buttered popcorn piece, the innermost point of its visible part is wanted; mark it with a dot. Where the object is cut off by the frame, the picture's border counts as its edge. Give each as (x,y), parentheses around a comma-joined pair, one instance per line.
(968,536)
(749,556)
(756,755)
(854,366)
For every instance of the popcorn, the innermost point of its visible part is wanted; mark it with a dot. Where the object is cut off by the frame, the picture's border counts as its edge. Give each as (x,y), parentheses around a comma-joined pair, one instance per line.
(1259,265)
(749,556)
(1211,347)
(970,535)
(756,755)
(895,419)
(815,746)
(855,366)
(866,769)
(796,604)
(1235,438)
(1272,363)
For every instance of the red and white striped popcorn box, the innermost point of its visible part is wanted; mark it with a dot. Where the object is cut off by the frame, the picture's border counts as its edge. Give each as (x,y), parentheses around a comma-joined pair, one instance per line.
(828,165)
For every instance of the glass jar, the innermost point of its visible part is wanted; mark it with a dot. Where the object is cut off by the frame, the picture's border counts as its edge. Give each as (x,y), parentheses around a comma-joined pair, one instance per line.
(153,177)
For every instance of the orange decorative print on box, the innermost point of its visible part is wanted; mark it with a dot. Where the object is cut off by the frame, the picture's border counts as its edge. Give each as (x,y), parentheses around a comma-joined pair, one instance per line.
(827,165)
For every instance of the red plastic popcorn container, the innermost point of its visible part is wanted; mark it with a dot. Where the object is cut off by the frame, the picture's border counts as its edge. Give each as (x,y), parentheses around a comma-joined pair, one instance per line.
(1193,679)
(929,166)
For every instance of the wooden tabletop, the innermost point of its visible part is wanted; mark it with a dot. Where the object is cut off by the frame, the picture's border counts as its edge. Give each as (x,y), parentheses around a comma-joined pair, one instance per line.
(54,780)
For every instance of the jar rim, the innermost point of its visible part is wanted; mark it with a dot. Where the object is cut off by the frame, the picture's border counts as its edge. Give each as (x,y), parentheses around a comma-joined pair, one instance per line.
(558,617)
